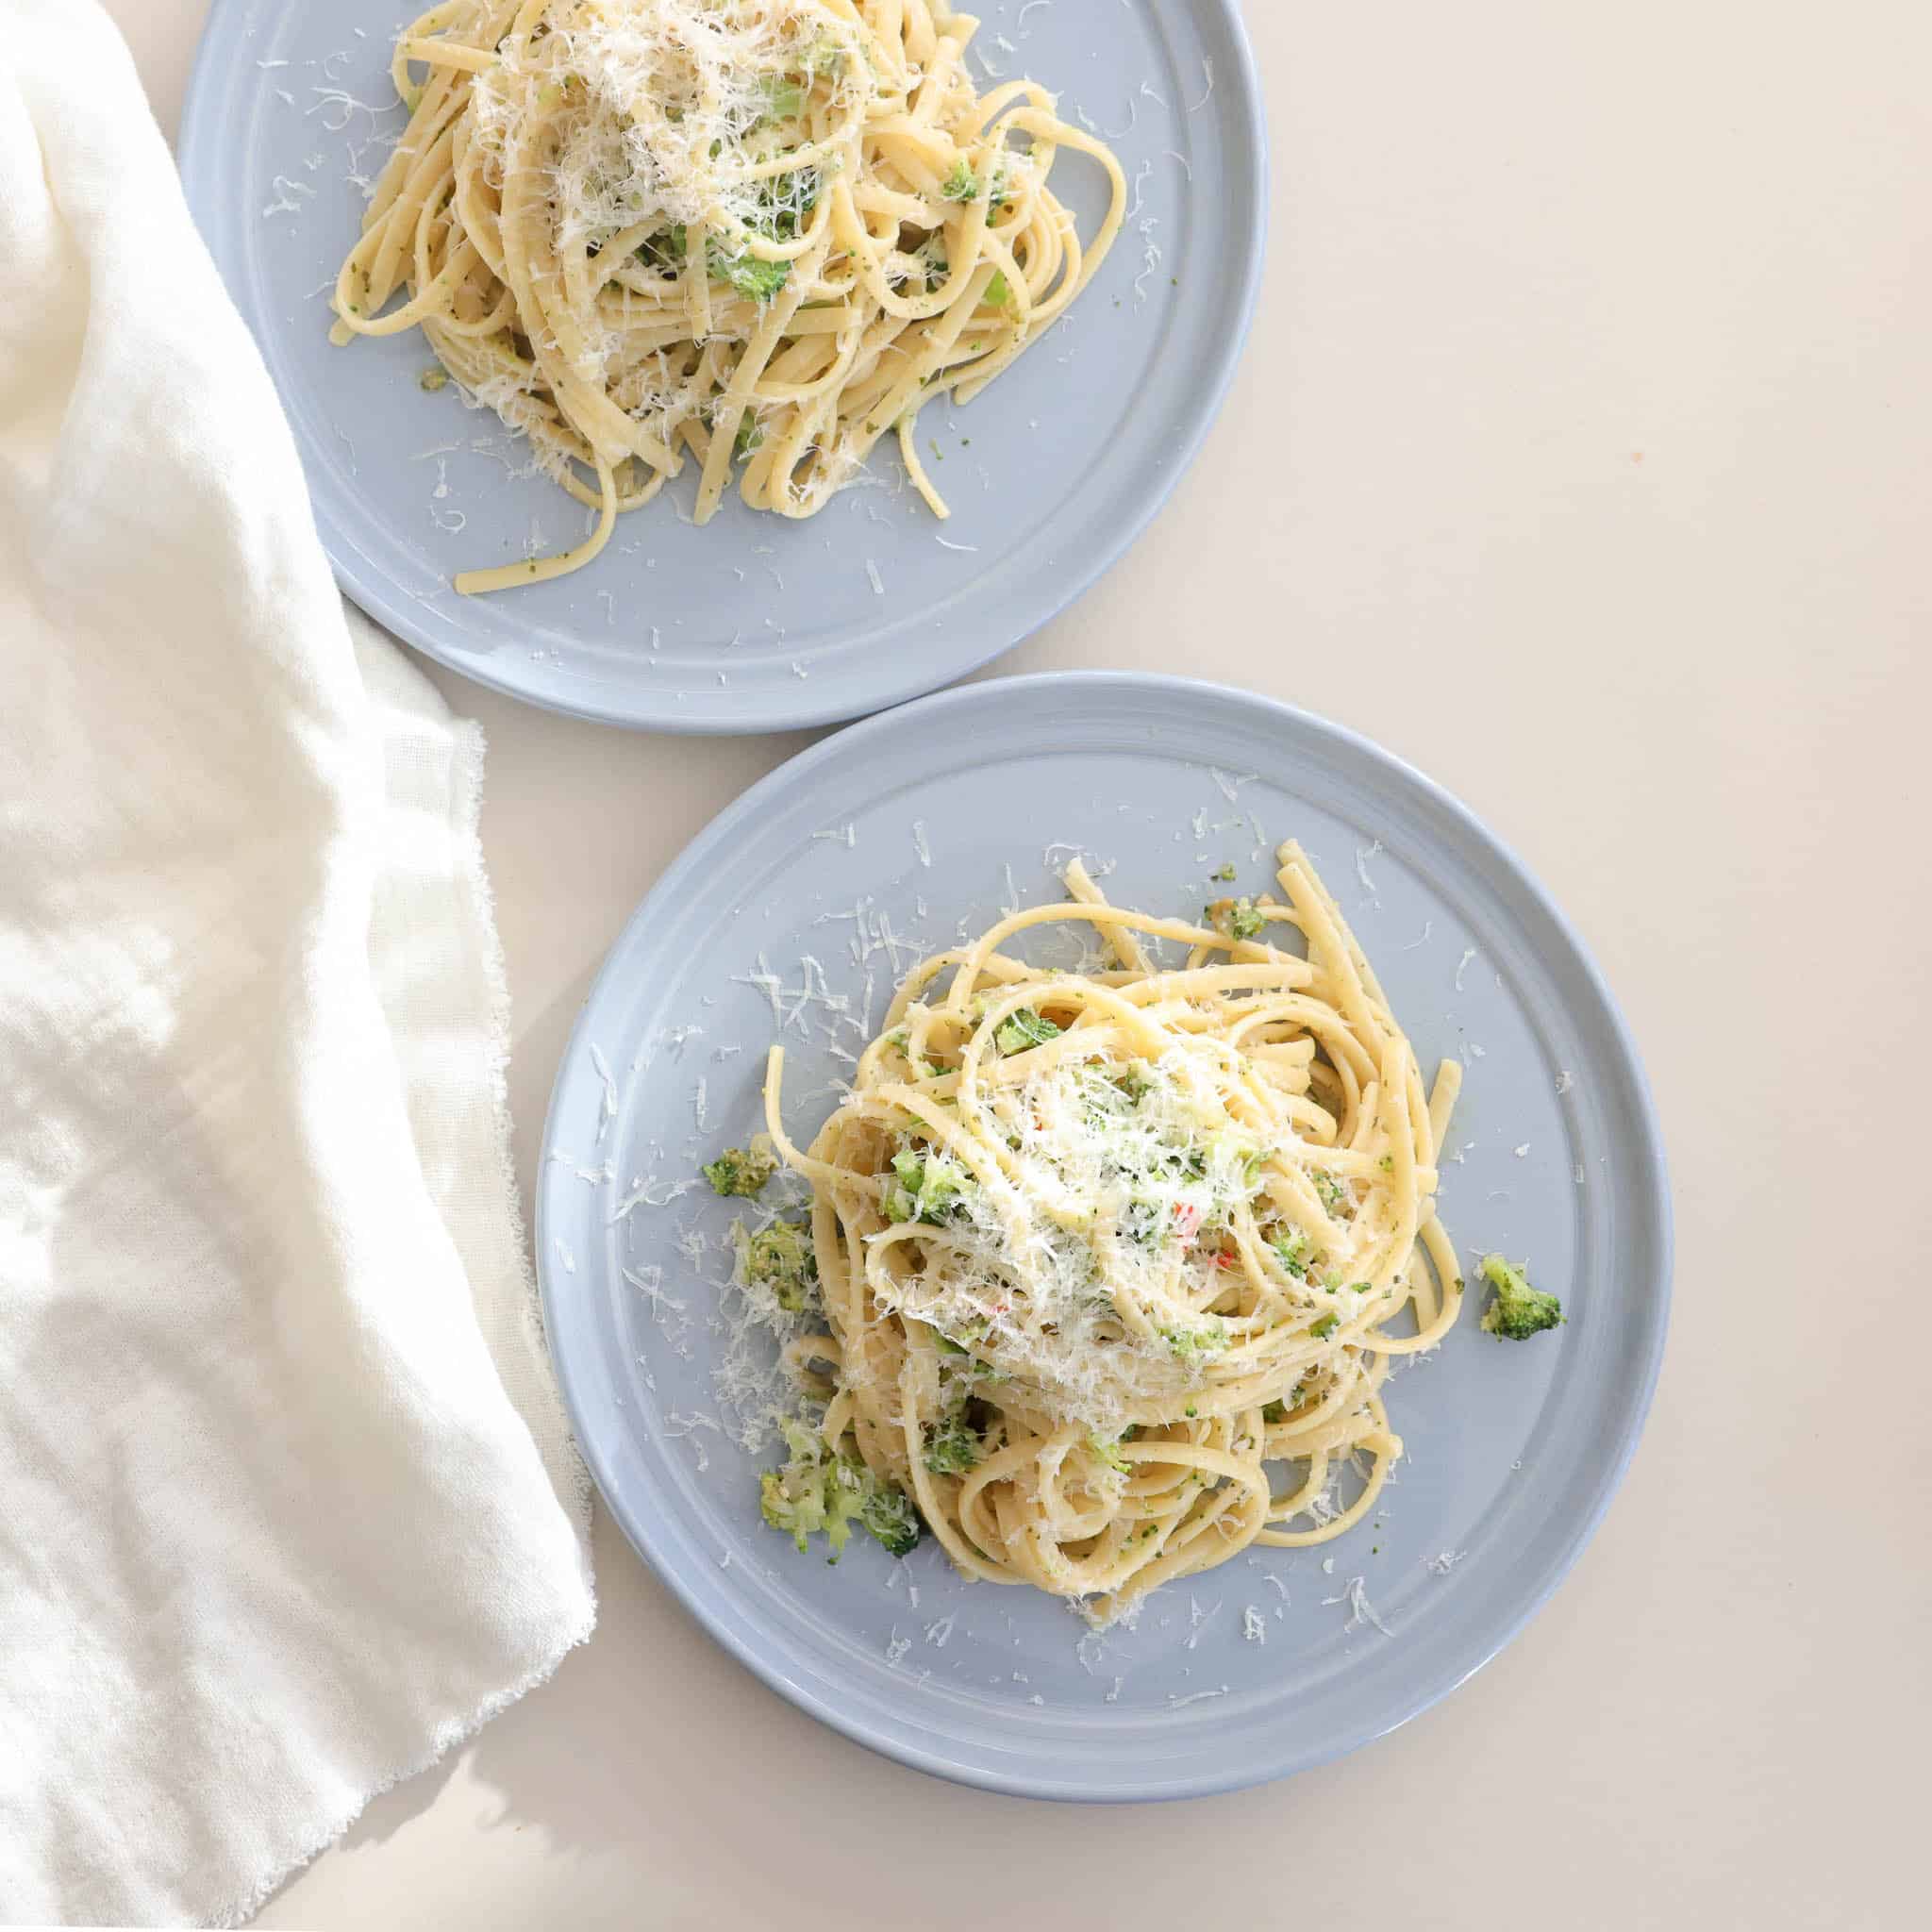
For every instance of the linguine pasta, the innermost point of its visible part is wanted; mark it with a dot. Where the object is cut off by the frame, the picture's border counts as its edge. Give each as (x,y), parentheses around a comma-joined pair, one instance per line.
(1114,1263)
(754,235)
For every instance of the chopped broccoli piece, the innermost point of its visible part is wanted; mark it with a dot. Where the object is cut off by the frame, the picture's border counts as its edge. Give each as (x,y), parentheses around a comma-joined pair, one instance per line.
(741,1169)
(809,1495)
(824,55)
(820,1492)
(1278,1412)
(748,274)
(1240,919)
(784,99)
(751,435)
(781,1256)
(1143,1222)
(932,258)
(1190,1344)
(665,249)
(1224,875)
(929,1188)
(1291,1247)
(433,379)
(1025,1029)
(888,1514)
(1334,1196)
(953,1444)
(1109,1451)
(1325,1327)
(999,292)
(1518,1311)
(962,184)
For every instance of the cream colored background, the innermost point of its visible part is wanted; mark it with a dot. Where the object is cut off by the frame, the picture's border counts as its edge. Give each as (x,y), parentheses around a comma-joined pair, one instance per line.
(1581,455)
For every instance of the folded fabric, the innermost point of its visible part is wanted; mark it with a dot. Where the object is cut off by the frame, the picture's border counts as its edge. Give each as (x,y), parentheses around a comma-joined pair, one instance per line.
(288,1505)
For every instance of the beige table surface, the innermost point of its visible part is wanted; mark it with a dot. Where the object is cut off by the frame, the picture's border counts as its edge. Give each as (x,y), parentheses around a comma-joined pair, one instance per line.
(1583,454)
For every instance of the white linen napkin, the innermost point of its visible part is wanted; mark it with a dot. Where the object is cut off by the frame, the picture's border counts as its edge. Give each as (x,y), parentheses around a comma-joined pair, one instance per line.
(288,1505)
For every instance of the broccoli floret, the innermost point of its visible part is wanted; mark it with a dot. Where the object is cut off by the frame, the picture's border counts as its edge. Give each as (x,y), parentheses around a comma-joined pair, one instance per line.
(748,274)
(1291,1247)
(1334,1196)
(953,1444)
(824,55)
(932,260)
(809,1495)
(999,292)
(1518,1310)
(888,1515)
(1190,1344)
(784,100)
(665,249)
(1025,1029)
(1240,919)
(742,1170)
(1110,1452)
(818,1491)
(1116,1094)
(781,1256)
(962,184)
(960,1359)
(1325,1327)
(1278,1412)
(1225,874)
(929,1188)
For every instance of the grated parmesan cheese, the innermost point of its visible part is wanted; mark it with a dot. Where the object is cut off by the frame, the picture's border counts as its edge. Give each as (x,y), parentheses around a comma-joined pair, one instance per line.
(1196,1697)
(1360,1610)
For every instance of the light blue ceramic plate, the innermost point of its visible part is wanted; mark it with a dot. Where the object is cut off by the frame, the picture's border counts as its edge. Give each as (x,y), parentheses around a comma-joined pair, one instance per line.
(1514,1449)
(762,624)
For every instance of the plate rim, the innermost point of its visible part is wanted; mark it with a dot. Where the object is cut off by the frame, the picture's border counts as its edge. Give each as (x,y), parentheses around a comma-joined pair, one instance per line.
(1650,1173)
(196,155)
